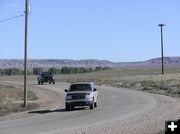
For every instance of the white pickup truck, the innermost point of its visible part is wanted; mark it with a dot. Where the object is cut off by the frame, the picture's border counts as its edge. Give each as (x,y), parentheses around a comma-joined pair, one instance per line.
(81,94)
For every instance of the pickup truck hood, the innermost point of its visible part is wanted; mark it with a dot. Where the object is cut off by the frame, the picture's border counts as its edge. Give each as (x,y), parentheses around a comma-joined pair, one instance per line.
(79,92)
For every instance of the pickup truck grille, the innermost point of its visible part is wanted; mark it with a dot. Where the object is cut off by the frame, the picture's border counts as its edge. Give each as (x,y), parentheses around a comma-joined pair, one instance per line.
(78,96)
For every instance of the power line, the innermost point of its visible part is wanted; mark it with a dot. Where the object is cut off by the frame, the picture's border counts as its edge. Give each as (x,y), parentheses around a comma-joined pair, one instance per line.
(11,18)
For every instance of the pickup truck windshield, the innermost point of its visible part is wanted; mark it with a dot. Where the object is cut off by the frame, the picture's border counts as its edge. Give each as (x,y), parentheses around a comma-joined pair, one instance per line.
(80,87)
(45,74)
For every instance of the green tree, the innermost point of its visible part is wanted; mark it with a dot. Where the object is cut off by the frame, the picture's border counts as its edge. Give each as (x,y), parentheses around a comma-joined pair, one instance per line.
(82,70)
(29,72)
(53,70)
(99,68)
(2,72)
(13,71)
(37,70)
(89,70)
(65,70)
(106,68)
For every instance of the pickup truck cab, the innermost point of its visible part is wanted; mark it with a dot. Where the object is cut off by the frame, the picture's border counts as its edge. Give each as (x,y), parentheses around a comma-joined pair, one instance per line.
(81,94)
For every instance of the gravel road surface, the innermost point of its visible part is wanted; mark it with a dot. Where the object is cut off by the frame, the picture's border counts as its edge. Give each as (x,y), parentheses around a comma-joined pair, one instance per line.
(119,111)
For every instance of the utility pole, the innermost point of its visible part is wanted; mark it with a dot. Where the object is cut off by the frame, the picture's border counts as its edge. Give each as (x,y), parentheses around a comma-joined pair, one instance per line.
(162,53)
(25,51)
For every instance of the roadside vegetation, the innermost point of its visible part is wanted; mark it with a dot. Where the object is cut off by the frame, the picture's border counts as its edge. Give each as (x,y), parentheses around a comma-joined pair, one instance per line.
(144,79)
(53,70)
(11,100)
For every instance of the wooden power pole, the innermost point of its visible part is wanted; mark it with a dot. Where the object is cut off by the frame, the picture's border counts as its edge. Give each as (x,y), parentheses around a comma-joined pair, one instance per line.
(162,53)
(25,51)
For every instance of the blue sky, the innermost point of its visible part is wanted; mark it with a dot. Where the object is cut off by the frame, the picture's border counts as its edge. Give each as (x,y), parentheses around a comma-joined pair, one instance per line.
(116,30)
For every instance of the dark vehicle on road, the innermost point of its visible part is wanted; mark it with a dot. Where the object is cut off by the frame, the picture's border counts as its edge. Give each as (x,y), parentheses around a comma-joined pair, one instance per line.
(45,77)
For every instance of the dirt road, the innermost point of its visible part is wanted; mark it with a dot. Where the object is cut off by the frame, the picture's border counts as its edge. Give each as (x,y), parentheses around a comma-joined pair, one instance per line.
(119,111)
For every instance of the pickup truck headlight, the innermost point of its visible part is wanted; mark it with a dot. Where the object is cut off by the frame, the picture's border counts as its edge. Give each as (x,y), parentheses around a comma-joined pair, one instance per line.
(68,97)
(88,96)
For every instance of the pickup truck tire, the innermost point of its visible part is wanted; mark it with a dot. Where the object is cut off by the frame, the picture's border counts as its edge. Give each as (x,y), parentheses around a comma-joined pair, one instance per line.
(95,104)
(72,107)
(92,105)
(53,82)
(68,107)
(39,82)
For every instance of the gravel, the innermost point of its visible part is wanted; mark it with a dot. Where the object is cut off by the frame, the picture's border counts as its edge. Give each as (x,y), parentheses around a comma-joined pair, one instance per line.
(119,111)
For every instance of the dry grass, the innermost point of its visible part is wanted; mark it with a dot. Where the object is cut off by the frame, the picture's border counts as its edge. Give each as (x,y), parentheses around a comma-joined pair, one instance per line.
(11,99)
(15,107)
(144,79)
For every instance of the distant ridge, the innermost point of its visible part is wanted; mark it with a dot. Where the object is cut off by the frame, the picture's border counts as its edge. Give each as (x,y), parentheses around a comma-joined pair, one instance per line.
(46,63)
